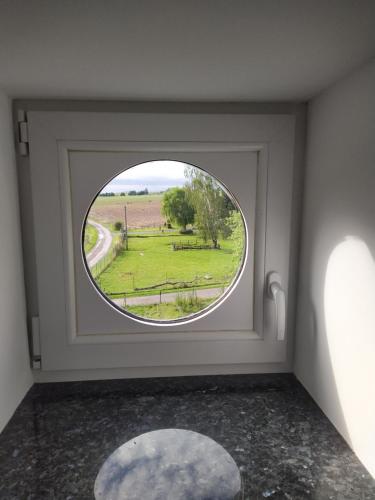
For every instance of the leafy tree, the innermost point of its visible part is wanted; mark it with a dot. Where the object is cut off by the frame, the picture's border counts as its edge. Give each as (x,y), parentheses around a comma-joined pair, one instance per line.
(177,207)
(211,204)
(132,193)
(118,225)
(237,233)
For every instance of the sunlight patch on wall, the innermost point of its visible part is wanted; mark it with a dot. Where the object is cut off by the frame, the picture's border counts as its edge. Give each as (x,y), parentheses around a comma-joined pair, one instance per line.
(349,303)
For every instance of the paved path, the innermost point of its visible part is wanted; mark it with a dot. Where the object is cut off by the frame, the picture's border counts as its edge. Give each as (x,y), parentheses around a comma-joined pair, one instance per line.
(206,293)
(101,247)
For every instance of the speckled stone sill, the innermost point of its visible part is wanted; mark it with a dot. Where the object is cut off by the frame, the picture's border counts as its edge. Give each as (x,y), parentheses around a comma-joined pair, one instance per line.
(285,447)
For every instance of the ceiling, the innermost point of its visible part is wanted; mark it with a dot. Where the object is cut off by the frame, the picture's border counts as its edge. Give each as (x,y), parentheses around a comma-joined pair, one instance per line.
(181,50)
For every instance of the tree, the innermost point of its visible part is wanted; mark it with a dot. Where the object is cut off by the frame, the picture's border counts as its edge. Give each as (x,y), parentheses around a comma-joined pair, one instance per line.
(237,234)
(211,204)
(107,194)
(177,208)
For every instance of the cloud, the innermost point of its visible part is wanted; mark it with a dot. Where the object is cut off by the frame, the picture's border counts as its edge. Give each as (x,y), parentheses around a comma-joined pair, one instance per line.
(150,181)
(155,176)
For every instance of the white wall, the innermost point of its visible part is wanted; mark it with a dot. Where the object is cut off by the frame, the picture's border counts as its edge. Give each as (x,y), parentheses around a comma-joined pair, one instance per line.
(15,374)
(335,346)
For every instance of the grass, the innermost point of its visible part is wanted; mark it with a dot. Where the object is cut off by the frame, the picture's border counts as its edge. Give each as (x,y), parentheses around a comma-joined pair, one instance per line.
(152,229)
(188,303)
(174,289)
(171,310)
(91,237)
(108,257)
(150,260)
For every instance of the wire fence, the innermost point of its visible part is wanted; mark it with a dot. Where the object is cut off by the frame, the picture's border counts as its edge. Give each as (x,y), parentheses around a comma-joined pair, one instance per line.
(109,257)
(187,245)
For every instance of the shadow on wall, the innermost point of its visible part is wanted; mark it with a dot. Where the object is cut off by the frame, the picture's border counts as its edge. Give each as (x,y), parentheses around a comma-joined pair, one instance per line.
(349,313)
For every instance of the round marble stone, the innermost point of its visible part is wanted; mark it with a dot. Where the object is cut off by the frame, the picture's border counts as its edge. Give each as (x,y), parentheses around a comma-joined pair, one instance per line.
(169,464)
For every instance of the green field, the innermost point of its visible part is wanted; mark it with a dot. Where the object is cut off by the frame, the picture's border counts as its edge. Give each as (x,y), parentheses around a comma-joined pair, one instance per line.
(151,260)
(91,237)
(168,311)
(150,265)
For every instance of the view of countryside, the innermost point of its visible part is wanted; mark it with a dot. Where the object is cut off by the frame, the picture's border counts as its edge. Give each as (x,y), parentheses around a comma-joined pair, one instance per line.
(164,240)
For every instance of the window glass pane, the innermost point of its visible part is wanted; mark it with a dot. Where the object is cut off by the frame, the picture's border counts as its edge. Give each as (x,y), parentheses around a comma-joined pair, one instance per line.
(164,242)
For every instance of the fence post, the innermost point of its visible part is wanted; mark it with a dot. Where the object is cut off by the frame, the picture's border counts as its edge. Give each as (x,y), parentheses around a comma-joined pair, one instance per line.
(159,296)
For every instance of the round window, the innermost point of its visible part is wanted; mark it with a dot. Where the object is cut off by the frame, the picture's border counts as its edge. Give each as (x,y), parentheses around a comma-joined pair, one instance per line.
(164,242)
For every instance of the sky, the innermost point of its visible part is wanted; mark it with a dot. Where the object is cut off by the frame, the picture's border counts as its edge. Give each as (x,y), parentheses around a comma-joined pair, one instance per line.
(155,176)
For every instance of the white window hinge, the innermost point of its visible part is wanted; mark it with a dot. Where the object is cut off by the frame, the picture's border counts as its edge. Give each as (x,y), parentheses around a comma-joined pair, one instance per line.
(23,133)
(36,360)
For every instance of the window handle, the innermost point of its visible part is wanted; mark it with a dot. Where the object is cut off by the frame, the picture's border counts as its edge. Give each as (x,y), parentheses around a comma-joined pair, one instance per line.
(276,293)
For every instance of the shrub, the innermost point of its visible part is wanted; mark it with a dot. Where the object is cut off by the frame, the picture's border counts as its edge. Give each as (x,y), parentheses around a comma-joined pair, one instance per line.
(189,303)
(118,226)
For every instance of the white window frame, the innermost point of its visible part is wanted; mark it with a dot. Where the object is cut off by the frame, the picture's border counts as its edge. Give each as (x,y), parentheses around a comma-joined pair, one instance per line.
(272,137)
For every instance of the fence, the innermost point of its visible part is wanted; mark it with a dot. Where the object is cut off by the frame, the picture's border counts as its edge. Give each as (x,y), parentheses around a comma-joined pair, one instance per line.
(102,265)
(186,245)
